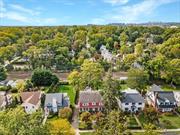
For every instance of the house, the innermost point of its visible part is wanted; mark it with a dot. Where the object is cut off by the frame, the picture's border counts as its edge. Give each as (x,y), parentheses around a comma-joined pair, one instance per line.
(5,99)
(131,101)
(106,54)
(163,101)
(177,97)
(90,101)
(56,101)
(31,101)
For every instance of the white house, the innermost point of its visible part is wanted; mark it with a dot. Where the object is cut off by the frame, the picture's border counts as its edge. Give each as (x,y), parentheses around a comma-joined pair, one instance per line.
(56,101)
(5,99)
(31,101)
(177,97)
(106,54)
(131,101)
(162,101)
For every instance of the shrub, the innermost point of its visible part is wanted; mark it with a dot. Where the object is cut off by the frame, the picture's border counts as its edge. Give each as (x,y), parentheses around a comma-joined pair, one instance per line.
(65,113)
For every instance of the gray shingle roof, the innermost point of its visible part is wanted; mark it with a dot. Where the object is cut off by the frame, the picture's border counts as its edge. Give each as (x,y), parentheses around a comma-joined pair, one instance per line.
(54,96)
(165,95)
(132,98)
(90,96)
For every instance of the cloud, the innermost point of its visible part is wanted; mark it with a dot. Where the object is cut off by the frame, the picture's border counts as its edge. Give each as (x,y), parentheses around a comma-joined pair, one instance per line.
(15,16)
(23,9)
(116,2)
(135,12)
(24,15)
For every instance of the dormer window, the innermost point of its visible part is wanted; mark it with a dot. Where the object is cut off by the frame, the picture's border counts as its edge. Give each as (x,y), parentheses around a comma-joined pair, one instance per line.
(126,103)
(85,104)
(93,103)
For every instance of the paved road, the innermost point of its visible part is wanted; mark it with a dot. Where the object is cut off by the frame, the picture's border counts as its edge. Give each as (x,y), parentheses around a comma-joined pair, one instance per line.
(75,119)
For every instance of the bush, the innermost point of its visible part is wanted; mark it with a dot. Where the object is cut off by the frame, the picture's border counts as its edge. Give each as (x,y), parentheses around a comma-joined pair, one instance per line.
(65,113)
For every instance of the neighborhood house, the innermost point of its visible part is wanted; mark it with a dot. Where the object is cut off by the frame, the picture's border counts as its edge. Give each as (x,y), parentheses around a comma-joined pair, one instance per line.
(31,101)
(5,99)
(90,101)
(131,101)
(163,101)
(56,101)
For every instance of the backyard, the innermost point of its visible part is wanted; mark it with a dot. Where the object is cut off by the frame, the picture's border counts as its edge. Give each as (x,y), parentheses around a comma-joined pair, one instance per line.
(70,91)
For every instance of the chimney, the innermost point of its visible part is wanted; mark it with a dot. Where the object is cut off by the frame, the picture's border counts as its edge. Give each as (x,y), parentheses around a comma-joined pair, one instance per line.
(155,99)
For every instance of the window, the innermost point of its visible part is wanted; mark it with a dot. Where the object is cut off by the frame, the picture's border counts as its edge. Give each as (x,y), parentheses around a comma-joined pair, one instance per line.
(85,104)
(126,109)
(126,103)
(33,107)
(26,107)
(133,103)
(139,108)
(93,103)
(140,103)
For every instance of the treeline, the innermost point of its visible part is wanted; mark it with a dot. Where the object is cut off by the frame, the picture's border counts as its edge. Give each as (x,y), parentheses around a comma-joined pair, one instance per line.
(155,49)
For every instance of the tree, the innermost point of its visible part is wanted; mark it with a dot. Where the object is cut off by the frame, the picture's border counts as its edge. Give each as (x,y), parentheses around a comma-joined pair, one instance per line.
(17,122)
(137,78)
(150,130)
(138,49)
(43,77)
(91,74)
(128,60)
(172,71)
(3,74)
(61,127)
(20,86)
(151,115)
(113,124)
(110,92)
(74,80)
(123,38)
(65,113)
(86,120)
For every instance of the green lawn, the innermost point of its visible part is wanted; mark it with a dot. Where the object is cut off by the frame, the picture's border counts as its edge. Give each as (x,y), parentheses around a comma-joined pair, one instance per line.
(170,122)
(167,87)
(124,86)
(87,133)
(70,91)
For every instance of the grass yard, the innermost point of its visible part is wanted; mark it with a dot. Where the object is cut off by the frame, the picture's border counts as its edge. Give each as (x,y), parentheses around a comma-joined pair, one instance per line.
(87,133)
(170,122)
(70,91)
(167,87)
(132,123)
(124,86)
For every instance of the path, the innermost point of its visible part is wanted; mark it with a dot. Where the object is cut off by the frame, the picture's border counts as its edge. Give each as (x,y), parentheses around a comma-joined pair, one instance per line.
(75,120)
(137,120)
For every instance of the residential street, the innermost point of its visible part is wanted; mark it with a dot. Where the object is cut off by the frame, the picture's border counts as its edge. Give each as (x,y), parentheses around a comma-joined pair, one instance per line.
(75,120)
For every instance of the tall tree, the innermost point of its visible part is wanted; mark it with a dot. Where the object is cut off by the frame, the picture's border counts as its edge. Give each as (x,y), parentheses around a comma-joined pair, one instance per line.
(110,93)
(137,78)
(3,74)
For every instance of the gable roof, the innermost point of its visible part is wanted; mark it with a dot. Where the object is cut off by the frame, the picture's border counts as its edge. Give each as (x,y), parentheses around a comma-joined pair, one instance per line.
(155,87)
(52,98)
(90,96)
(131,96)
(165,95)
(31,97)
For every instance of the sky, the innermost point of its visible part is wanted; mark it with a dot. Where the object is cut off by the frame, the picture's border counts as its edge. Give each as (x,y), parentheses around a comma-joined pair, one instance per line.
(82,12)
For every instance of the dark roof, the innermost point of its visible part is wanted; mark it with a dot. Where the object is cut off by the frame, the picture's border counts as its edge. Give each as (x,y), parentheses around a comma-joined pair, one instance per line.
(90,96)
(31,97)
(132,98)
(165,95)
